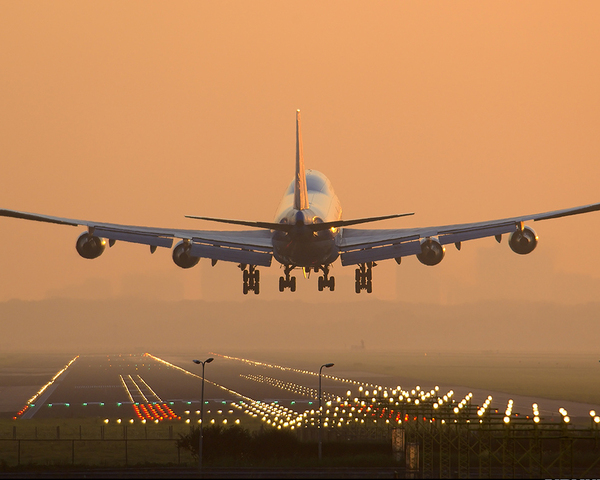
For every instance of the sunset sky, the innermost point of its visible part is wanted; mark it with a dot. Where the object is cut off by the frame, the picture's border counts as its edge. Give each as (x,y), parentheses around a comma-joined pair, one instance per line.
(143,112)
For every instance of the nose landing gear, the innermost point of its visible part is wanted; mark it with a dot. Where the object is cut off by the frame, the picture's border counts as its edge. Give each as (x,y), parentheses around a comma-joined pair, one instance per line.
(251,279)
(287,282)
(364,277)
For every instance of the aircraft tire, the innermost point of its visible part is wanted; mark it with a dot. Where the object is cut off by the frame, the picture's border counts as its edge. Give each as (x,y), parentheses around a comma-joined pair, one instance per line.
(320,284)
(332,284)
(281,284)
(293,284)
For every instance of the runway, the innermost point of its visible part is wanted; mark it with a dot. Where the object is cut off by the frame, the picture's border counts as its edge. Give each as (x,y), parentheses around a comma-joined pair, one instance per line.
(146,387)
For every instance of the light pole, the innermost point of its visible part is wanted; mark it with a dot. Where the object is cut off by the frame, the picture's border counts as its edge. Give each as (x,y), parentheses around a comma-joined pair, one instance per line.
(326,365)
(198,362)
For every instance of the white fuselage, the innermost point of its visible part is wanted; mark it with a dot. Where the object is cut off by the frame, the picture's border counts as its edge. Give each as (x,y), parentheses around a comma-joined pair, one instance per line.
(301,247)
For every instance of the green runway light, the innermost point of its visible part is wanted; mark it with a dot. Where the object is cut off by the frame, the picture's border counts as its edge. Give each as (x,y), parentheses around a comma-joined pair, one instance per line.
(32,405)
(101,404)
(85,404)
(119,404)
(49,404)
(67,404)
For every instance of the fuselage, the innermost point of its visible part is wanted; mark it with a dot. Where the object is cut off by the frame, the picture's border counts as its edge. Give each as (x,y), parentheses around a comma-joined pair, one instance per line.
(302,247)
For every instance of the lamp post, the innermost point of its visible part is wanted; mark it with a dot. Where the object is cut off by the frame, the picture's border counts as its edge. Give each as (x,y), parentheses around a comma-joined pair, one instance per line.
(326,365)
(198,362)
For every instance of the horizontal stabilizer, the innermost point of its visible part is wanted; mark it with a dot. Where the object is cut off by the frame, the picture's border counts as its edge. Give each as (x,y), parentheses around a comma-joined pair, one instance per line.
(283,227)
(315,227)
(345,223)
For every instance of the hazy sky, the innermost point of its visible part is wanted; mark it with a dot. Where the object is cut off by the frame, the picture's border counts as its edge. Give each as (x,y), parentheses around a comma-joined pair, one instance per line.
(143,112)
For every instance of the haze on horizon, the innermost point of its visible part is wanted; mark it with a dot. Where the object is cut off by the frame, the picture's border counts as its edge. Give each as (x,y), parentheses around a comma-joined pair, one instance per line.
(141,113)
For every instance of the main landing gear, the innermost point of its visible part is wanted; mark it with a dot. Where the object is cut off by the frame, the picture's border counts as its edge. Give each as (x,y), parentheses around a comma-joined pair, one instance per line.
(251,278)
(287,282)
(324,281)
(364,277)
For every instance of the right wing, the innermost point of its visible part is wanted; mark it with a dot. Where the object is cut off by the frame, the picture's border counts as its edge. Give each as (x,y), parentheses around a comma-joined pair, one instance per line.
(252,247)
(362,245)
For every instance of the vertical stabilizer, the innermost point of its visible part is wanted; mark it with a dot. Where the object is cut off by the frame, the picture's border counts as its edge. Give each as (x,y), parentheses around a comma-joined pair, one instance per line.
(300,192)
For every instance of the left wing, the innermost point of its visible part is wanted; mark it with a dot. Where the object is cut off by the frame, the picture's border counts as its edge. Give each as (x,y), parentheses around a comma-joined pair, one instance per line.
(252,247)
(363,246)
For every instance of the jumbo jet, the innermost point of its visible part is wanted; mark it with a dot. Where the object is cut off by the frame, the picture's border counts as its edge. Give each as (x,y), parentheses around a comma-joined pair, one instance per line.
(307,233)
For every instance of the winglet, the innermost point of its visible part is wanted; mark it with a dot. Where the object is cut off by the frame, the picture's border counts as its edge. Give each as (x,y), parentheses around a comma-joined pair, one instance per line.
(300,192)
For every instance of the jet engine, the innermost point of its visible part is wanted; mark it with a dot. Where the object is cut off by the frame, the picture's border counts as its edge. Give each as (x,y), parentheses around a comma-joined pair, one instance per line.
(523,241)
(182,257)
(89,246)
(432,252)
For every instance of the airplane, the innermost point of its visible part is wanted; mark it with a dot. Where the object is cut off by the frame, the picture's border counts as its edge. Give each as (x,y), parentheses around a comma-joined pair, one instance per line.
(308,233)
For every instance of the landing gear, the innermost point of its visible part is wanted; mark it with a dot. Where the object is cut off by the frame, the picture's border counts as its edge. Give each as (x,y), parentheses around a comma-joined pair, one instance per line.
(324,281)
(364,277)
(287,282)
(251,279)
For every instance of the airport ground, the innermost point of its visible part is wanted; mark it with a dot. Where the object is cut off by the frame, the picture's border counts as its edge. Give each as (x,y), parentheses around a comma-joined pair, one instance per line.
(551,380)
(95,397)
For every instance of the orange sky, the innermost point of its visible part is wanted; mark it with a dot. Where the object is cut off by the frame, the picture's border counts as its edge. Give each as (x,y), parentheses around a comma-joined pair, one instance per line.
(143,112)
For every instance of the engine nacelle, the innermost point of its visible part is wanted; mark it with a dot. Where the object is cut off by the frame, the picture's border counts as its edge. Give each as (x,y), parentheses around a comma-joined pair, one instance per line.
(182,257)
(523,241)
(432,252)
(89,246)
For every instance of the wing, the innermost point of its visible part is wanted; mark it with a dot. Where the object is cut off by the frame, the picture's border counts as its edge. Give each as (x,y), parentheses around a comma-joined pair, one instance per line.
(253,247)
(362,246)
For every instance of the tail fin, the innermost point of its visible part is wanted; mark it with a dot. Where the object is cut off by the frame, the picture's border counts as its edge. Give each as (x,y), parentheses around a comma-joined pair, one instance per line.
(300,192)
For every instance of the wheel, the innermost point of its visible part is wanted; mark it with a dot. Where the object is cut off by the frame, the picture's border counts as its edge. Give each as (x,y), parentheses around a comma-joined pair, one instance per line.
(256,276)
(369,287)
(357,275)
(369,274)
(321,284)
(245,289)
(293,284)
(281,284)
(356,287)
(332,284)
(245,276)
(256,288)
